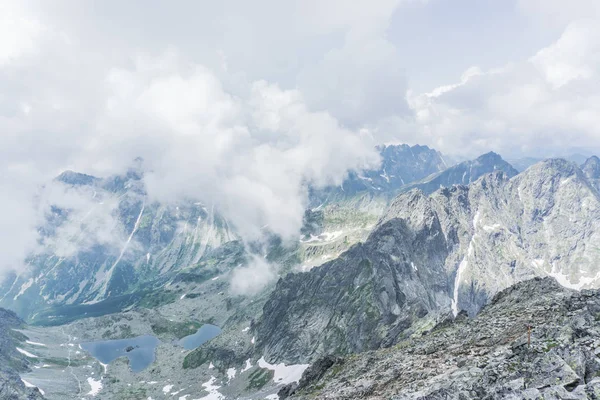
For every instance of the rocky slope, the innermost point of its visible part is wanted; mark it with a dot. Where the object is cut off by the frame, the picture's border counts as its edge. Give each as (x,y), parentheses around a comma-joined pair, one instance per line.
(487,357)
(451,251)
(360,301)
(110,240)
(400,165)
(12,361)
(345,215)
(591,169)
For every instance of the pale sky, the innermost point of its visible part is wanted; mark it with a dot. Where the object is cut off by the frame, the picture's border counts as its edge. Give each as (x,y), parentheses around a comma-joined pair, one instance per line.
(244,102)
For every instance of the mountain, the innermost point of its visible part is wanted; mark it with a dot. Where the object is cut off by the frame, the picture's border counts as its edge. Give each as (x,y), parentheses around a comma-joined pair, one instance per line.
(591,169)
(491,356)
(360,301)
(429,255)
(464,173)
(400,165)
(343,216)
(118,245)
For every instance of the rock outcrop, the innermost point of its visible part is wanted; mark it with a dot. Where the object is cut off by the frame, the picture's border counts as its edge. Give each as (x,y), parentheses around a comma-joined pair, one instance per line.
(492,356)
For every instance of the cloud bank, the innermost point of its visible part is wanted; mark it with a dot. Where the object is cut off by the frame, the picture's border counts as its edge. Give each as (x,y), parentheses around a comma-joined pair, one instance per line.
(244,104)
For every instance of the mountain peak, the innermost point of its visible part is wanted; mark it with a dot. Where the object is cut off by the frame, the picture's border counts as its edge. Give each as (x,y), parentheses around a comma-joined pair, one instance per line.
(490,156)
(556,165)
(591,167)
(466,173)
(76,178)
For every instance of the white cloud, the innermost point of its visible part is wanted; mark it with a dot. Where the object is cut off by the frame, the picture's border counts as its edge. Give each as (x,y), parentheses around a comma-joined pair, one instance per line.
(250,149)
(242,104)
(252,278)
(90,219)
(559,12)
(544,105)
(19,32)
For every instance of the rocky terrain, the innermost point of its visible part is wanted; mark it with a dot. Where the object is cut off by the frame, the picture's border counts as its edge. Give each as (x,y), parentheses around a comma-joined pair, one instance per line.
(429,255)
(369,271)
(591,169)
(14,360)
(491,356)
(345,215)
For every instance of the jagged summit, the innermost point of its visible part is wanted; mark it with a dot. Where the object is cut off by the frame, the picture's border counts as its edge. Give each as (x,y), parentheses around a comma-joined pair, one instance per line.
(591,169)
(464,173)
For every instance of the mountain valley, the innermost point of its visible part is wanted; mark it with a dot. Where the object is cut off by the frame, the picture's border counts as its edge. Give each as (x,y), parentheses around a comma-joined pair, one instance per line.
(390,268)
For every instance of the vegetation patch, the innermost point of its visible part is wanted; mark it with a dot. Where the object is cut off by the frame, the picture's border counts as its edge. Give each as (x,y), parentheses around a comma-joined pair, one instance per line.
(259,378)
(176,329)
(195,359)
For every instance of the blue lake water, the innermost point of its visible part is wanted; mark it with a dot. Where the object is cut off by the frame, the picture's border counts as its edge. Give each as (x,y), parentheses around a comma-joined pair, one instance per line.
(142,355)
(203,335)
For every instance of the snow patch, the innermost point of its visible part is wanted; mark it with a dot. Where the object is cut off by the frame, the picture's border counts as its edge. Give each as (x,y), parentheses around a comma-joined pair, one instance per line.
(246,329)
(476,219)
(31,385)
(284,374)
(272,397)
(247,367)
(491,228)
(212,389)
(182,297)
(105,367)
(323,237)
(538,263)
(459,274)
(26,353)
(210,366)
(96,386)
(231,373)
(35,343)
(167,389)
(24,288)
(564,280)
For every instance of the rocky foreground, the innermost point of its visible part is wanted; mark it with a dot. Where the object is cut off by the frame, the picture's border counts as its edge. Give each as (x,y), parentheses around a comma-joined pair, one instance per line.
(12,361)
(491,356)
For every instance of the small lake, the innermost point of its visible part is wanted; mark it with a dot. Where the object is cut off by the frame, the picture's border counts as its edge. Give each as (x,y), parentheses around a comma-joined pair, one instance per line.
(141,351)
(203,335)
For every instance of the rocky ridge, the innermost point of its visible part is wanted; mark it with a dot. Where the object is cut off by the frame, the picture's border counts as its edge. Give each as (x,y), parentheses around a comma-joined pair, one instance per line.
(463,173)
(430,255)
(491,356)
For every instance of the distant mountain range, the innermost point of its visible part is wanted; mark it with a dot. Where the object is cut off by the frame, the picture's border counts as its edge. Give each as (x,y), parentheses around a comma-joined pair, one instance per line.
(387,257)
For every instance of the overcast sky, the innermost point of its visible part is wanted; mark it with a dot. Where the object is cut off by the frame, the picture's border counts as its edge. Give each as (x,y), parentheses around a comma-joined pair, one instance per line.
(244,102)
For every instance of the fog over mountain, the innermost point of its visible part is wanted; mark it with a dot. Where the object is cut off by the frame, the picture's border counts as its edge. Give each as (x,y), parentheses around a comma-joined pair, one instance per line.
(308,179)
(247,120)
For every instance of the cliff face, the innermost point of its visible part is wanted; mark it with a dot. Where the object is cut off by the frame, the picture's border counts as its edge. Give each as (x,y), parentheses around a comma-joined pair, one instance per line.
(432,255)
(362,300)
